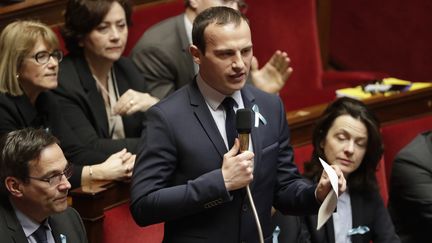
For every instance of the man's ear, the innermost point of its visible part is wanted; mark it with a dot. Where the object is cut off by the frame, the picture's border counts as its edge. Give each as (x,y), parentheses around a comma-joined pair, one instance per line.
(196,54)
(14,186)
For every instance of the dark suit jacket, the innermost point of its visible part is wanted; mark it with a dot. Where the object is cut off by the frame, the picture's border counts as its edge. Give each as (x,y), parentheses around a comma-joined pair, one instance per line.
(67,223)
(177,176)
(84,109)
(16,112)
(162,55)
(367,210)
(410,201)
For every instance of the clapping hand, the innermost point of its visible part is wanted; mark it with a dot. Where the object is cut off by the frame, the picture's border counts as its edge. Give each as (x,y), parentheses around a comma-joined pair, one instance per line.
(272,77)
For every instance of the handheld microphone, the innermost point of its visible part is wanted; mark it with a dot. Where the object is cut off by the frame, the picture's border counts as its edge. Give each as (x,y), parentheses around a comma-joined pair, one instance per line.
(244,127)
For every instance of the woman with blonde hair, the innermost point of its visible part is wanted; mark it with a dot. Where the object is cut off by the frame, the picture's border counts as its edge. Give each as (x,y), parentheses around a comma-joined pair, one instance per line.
(29,60)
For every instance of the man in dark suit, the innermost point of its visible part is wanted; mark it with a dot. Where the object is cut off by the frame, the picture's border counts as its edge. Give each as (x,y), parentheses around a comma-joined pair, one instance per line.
(162,54)
(34,186)
(410,202)
(190,174)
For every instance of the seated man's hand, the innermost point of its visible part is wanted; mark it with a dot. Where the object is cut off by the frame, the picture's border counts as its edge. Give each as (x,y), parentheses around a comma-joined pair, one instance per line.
(272,77)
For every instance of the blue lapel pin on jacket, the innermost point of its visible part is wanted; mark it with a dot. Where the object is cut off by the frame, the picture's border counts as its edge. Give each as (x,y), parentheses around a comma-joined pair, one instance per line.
(63,238)
(361,230)
(258,116)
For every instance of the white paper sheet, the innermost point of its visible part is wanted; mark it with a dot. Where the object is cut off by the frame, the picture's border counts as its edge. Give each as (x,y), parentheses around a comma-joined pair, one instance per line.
(330,202)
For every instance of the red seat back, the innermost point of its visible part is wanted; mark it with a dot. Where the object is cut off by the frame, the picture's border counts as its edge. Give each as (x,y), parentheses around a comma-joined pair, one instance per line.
(290,25)
(382,180)
(397,135)
(119,227)
(393,36)
(145,16)
(302,155)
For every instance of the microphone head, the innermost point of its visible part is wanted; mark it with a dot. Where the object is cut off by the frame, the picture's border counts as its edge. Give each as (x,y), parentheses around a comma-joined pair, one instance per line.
(244,120)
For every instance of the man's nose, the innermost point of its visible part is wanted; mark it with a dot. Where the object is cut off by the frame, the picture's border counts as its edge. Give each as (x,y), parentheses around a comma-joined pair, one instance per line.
(238,62)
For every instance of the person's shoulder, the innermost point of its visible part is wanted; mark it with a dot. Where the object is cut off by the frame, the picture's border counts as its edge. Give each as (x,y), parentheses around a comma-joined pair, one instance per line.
(160,35)
(72,69)
(178,97)
(164,27)
(6,98)
(70,223)
(68,215)
(8,102)
(176,104)
(420,146)
(125,63)
(67,69)
(66,66)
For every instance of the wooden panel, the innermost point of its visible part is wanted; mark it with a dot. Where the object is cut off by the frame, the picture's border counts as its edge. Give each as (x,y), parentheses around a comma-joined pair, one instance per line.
(47,11)
(388,109)
(91,202)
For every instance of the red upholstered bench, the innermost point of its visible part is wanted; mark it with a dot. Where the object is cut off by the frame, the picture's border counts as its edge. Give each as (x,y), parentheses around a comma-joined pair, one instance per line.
(119,227)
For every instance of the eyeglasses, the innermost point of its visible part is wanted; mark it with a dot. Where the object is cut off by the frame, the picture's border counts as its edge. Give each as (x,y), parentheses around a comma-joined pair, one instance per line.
(43,57)
(55,179)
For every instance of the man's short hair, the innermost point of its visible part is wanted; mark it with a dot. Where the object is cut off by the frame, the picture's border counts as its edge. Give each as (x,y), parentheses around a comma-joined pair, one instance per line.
(215,15)
(17,149)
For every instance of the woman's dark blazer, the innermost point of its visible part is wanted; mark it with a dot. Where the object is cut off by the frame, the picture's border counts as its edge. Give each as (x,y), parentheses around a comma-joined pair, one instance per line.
(83,106)
(367,210)
(16,112)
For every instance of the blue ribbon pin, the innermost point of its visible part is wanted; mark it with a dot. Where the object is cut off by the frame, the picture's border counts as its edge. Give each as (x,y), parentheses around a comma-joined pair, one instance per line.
(63,238)
(258,116)
(358,231)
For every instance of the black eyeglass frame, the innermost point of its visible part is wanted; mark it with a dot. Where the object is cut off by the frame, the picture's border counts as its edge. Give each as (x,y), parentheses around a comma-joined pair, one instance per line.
(56,179)
(43,57)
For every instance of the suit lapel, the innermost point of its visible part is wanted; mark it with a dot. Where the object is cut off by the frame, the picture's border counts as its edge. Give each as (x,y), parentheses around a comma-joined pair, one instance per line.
(205,118)
(55,233)
(14,227)
(56,230)
(96,102)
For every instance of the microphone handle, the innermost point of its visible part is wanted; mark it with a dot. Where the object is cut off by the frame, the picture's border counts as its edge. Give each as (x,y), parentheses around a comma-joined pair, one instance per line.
(244,141)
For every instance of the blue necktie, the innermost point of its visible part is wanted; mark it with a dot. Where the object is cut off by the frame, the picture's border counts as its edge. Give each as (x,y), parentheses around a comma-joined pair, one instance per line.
(230,127)
(40,234)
